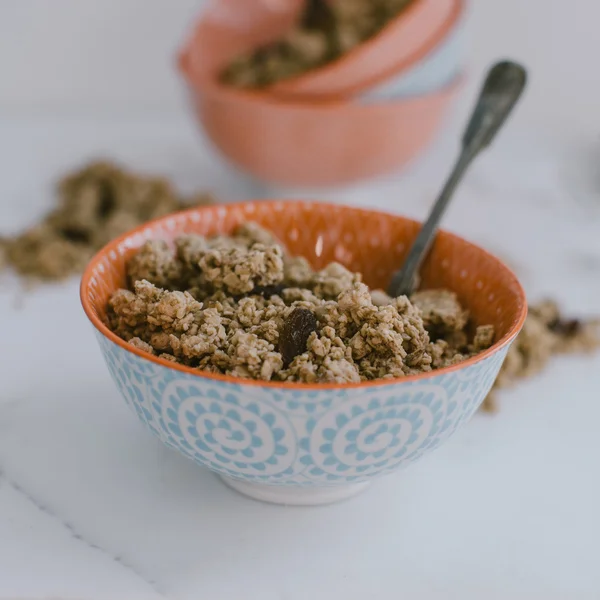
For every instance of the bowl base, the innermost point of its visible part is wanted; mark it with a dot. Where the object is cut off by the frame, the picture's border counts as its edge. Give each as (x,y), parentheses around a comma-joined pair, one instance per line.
(295,495)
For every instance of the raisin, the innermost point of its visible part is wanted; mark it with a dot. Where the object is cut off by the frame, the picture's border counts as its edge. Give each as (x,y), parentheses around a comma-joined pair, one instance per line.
(295,332)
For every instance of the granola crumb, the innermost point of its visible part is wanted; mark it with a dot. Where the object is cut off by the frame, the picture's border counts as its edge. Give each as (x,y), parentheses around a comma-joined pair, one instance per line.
(297,271)
(253,233)
(3,253)
(490,404)
(483,339)
(545,334)
(95,204)
(334,279)
(380,298)
(441,311)
(155,262)
(239,271)
(141,345)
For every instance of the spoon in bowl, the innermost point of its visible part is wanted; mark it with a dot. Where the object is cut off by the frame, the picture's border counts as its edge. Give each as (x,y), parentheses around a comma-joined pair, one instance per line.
(501,89)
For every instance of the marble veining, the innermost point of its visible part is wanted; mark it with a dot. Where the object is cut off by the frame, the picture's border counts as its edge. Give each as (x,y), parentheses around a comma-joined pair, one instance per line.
(92,507)
(77,535)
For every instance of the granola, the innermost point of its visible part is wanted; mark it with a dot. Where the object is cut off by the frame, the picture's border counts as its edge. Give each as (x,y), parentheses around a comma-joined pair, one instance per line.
(545,334)
(241,305)
(96,204)
(326,30)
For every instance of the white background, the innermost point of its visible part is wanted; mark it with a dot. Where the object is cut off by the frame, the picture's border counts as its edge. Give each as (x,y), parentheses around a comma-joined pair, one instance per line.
(117,56)
(92,507)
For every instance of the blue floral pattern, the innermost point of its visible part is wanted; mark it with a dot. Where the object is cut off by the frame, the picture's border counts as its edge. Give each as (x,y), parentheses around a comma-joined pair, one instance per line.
(370,435)
(298,437)
(229,435)
(132,380)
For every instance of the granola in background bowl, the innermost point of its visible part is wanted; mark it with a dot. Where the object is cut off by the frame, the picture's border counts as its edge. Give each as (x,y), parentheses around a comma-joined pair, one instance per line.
(346,137)
(324,32)
(313,49)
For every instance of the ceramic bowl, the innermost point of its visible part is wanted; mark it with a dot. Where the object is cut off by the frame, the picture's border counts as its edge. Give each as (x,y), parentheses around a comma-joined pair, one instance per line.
(289,142)
(230,27)
(315,143)
(436,70)
(298,443)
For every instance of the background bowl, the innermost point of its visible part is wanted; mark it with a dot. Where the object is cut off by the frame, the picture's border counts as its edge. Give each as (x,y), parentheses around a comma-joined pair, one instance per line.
(288,141)
(317,143)
(226,31)
(298,443)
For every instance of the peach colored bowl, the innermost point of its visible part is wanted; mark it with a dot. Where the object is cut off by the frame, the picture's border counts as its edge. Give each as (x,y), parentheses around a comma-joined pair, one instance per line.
(224,33)
(317,143)
(300,443)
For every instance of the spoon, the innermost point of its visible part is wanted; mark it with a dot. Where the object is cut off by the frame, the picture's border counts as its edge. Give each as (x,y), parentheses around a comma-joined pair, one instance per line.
(502,88)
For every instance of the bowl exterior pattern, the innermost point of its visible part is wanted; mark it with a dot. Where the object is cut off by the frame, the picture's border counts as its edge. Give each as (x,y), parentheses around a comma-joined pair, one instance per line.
(283,436)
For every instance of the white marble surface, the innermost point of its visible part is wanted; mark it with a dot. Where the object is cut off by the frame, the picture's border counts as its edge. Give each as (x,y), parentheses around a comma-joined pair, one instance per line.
(92,507)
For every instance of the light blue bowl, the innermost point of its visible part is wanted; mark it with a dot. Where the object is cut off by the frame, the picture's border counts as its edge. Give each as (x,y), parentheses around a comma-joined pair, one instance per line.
(293,443)
(298,447)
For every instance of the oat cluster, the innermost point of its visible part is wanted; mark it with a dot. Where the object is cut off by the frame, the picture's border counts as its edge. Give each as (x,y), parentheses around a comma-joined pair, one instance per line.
(241,305)
(95,204)
(546,333)
(326,30)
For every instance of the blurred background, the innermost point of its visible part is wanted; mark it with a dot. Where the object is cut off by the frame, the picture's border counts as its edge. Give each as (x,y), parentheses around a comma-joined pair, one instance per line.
(85,79)
(116,57)
(115,62)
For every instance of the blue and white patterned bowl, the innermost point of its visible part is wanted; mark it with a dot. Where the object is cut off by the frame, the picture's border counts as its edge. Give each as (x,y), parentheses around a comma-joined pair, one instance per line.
(303,444)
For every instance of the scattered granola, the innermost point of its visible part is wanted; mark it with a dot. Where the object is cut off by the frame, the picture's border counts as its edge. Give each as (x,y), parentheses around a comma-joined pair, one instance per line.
(545,333)
(241,305)
(3,253)
(326,30)
(96,204)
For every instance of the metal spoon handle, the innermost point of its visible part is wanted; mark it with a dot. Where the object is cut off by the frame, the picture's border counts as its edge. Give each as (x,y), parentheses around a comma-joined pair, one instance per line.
(501,90)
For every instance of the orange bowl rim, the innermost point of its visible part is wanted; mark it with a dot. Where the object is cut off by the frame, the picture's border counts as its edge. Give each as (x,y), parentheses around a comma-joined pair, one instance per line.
(91,314)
